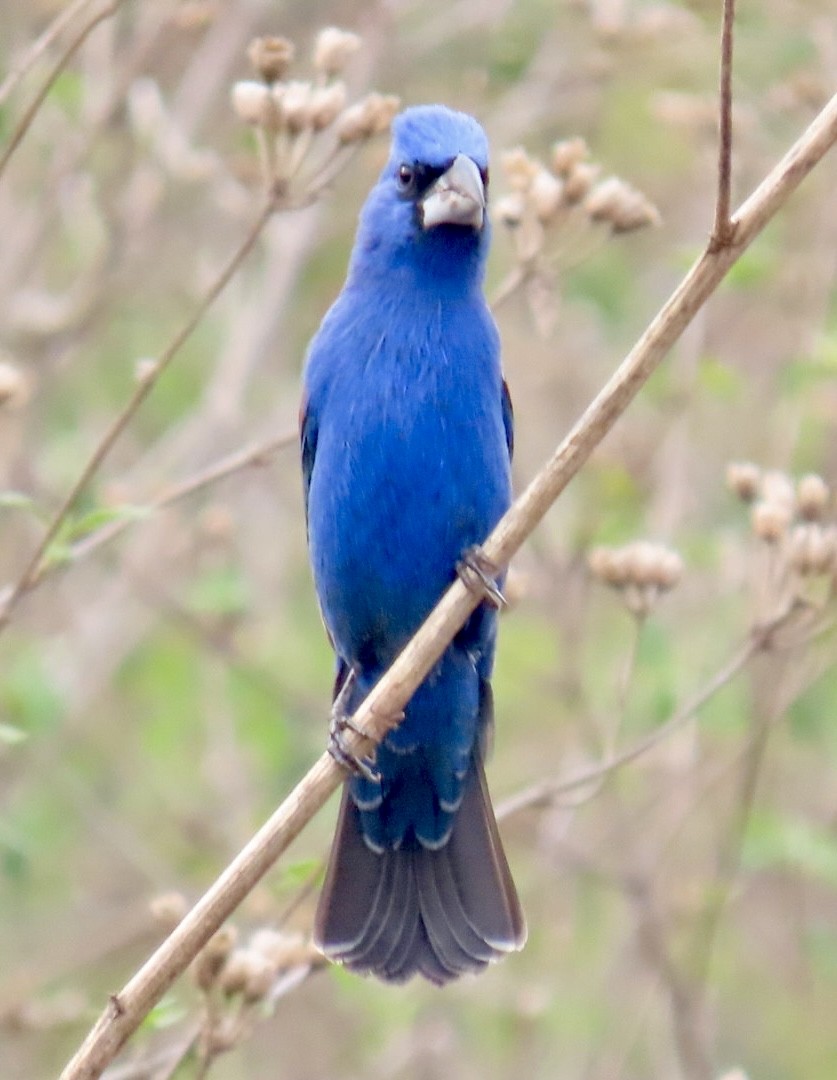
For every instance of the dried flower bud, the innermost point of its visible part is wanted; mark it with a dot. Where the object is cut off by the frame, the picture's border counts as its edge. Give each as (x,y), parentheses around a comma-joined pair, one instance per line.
(333,48)
(233,976)
(580,180)
(271,56)
(770,521)
(743,479)
(145,369)
(248,973)
(813,549)
(295,104)
(567,155)
(510,209)
(14,386)
(653,565)
(252,102)
(776,487)
(370,116)
(271,944)
(213,956)
(547,194)
(327,102)
(621,206)
(610,566)
(812,496)
(669,569)
(168,909)
(519,168)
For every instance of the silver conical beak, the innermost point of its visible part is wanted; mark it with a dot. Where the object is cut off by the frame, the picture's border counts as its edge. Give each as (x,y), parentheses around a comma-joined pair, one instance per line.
(457,197)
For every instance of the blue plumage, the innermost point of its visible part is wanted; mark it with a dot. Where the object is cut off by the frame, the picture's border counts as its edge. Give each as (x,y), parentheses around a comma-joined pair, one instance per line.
(406,444)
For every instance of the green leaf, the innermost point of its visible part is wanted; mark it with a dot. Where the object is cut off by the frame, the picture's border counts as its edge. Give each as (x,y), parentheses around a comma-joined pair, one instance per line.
(775,842)
(11,735)
(92,520)
(16,500)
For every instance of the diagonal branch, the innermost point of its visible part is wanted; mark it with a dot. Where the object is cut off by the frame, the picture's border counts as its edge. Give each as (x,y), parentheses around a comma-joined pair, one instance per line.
(77,42)
(127,1009)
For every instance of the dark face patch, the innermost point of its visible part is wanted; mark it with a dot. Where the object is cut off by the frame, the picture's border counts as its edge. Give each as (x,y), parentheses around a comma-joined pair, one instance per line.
(414,179)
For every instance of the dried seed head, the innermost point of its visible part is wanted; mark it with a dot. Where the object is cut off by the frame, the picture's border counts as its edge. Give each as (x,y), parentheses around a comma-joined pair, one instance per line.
(327,102)
(812,496)
(519,168)
(271,56)
(248,973)
(510,209)
(233,976)
(252,102)
(370,116)
(621,206)
(294,105)
(743,479)
(168,909)
(333,49)
(212,957)
(776,487)
(770,520)
(579,181)
(610,566)
(813,549)
(567,155)
(547,194)
(271,944)
(15,388)
(653,565)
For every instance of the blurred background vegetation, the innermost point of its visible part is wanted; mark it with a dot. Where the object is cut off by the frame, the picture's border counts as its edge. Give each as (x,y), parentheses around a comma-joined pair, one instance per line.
(161,693)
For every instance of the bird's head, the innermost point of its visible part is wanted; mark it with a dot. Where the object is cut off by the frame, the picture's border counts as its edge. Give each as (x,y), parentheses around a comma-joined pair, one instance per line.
(428,208)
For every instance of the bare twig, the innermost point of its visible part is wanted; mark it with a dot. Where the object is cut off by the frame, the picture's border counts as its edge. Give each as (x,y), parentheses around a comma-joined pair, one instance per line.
(30,114)
(127,1009)
(120,422)
(722,231)
(547,790)
(237,461)
(61,21)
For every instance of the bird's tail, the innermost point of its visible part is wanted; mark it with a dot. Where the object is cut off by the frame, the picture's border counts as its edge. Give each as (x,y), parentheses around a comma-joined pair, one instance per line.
(439,912)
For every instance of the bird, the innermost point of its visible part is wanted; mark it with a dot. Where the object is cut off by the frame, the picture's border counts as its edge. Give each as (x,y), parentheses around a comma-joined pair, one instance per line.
(406,432)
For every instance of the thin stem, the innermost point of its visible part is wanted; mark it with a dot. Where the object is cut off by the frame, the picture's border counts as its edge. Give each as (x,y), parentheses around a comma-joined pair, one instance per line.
(61,21)
(722,231)
(120,422)
(30,114)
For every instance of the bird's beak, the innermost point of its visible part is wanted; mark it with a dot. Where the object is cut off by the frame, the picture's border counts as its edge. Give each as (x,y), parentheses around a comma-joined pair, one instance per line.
(456,198)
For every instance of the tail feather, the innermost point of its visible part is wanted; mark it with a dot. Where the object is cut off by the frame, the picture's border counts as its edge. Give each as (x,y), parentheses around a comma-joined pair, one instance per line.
(439,913)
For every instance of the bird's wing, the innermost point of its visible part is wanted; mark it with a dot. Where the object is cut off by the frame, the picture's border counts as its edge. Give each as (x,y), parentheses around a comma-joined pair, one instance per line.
(308,430)
(508,419)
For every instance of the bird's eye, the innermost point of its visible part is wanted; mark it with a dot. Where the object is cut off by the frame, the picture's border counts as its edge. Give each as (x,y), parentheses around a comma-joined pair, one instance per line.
(406,176)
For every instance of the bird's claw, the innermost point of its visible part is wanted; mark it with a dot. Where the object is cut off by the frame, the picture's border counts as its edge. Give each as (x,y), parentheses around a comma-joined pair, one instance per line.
(478,573)
(341,722)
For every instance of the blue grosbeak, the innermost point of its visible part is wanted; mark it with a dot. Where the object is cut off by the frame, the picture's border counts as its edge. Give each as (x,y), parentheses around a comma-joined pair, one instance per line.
(406,432)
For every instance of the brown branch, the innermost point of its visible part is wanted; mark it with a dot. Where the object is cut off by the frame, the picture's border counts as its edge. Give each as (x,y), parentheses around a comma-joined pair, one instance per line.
(120,422)
(127,1009)
(722,230)
(30,114)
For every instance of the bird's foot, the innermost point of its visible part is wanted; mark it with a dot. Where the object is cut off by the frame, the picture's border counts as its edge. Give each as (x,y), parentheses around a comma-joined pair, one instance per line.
(479,574)
(341,722)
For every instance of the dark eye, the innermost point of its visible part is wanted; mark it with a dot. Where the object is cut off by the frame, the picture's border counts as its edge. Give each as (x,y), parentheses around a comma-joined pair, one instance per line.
(406,176)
